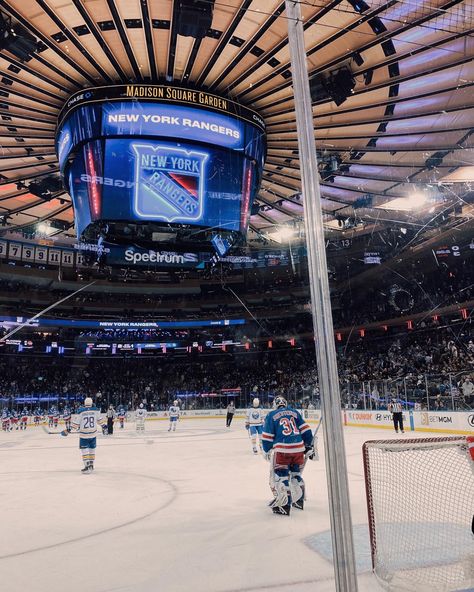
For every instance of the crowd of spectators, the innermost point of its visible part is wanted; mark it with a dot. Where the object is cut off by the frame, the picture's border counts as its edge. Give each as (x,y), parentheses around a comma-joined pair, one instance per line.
(414,291)
(409,292)
(419,366)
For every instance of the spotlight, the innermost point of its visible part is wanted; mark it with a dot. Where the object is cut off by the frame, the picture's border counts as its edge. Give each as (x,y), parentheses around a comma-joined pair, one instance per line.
(340,85)
(16,39)
(358,59)
(44,228)
(417,199)
(359,5)
(368,76)
(194,17)
(283,234)
(46,187)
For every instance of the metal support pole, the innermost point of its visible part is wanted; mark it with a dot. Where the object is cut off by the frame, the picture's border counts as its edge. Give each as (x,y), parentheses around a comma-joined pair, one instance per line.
(338,490)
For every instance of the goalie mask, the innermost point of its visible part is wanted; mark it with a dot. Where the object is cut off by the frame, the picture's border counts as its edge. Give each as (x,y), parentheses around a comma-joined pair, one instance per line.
(279,402)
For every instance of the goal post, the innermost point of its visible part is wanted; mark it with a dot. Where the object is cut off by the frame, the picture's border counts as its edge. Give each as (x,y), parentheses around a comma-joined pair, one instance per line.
(420,502)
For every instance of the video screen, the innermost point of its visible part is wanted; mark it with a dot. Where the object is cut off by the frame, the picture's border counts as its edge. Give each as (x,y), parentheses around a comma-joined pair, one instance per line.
(161,163)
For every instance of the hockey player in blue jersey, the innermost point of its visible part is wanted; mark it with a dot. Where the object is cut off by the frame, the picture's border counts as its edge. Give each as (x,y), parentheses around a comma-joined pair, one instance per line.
(289,437)
(6,420)
(174,416)
(85,422)
(254,423)
(14,419)
(37,415)
(121,416)
(55,413)
(24,415)
(67,418)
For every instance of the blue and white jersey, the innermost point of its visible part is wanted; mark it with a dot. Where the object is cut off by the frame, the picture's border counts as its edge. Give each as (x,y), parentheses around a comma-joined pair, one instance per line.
(5,414)
(286,431)
(173,411)
(254,417)
(86,422)
(141,414)
(121,412)
(66,414)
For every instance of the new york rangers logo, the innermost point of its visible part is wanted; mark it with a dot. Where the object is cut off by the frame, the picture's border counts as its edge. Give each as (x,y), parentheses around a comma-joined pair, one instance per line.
(169,183)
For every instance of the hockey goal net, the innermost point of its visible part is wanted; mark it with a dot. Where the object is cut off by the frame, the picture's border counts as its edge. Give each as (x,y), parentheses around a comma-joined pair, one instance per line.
(420,499)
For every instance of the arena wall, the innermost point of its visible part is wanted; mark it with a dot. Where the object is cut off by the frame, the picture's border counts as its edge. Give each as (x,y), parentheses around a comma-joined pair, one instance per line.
(445,422)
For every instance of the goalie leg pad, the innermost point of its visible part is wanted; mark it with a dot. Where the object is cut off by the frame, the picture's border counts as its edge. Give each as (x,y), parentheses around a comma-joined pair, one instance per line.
(281,489)
(297,486)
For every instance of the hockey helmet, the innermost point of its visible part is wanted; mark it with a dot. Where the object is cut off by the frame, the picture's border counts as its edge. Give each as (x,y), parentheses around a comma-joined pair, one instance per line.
(141,405)
(175,403)
(256,402)
(88,402)
(279,402)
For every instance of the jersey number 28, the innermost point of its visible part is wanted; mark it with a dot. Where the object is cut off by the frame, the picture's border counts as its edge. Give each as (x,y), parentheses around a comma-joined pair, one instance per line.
(89,422)
(289,426)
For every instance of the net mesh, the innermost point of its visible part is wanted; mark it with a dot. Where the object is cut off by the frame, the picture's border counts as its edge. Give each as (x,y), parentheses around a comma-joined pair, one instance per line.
(420,496)
(432,15)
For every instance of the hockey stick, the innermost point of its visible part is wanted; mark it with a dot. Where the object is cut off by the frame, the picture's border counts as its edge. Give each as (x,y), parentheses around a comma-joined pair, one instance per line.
(51,433)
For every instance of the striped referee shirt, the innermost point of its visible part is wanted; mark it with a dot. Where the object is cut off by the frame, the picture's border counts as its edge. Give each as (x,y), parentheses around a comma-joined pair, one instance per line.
(395,407)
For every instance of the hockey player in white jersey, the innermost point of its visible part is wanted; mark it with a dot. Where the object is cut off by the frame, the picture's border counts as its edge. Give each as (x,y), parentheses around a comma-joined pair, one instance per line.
(254,423)
(174,416)
(140,416)
(85,422)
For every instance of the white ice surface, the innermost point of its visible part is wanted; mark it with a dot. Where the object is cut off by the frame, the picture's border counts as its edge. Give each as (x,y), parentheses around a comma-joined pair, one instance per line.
(163,512)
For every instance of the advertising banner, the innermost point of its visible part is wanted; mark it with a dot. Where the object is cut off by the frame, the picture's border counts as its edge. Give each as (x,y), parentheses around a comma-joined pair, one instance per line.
(448,422)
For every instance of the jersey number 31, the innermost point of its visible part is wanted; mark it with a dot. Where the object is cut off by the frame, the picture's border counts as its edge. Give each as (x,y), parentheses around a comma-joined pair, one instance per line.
(289,426)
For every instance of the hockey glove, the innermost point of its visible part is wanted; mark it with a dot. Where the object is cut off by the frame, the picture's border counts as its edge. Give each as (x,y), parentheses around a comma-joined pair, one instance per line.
(311,453)
(246,426)
(65,433)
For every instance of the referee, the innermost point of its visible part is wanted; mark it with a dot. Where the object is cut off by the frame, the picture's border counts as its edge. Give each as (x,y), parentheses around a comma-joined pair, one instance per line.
(395,408)
(230,414)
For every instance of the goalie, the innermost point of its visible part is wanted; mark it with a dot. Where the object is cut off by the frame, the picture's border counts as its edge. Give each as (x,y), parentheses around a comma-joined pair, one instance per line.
(85,422)
(290,437)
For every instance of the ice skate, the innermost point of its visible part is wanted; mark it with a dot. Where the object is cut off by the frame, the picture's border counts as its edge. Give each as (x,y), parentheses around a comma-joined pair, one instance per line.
(299,504)
(282,510)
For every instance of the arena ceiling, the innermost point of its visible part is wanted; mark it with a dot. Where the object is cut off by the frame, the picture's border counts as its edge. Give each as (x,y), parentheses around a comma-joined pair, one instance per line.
(400,148)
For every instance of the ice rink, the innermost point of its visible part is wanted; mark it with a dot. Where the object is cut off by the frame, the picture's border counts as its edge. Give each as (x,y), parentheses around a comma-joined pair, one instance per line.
(167,512)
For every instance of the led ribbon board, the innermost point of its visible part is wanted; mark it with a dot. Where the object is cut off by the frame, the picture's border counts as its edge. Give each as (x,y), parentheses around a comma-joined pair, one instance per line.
(172,121)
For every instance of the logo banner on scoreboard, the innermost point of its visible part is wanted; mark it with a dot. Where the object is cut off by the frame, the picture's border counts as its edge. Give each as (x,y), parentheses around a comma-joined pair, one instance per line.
(168,183)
